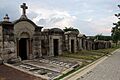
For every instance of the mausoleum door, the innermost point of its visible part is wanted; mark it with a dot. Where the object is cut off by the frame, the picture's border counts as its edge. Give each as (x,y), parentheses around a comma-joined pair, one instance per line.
(23,48)
(72,46)
(56,47)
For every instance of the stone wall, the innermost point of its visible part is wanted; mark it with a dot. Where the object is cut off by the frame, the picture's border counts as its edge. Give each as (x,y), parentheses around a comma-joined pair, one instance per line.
(42,43)
(36,45)
(101,45)
(90,44)
(51,46)
(71,42)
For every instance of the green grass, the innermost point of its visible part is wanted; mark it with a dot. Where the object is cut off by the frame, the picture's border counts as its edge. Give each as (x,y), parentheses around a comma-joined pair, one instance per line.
(75,69)
(62,76)
(85,55)
(89,55)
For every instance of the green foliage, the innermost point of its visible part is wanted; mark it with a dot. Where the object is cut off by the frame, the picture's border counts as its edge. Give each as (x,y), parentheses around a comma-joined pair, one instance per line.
(102,37)
(85,56)
(116,30)
(116,33)
(89,55)
(70,29)
(75,69)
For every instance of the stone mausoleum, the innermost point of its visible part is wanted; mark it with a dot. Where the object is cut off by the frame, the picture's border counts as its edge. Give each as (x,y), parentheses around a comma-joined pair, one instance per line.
(24,39)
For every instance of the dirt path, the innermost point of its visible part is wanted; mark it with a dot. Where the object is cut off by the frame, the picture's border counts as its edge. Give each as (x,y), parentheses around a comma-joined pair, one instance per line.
(7,73)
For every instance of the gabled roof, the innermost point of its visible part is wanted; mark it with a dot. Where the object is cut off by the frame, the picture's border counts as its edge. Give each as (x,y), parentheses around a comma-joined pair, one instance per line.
(28,20)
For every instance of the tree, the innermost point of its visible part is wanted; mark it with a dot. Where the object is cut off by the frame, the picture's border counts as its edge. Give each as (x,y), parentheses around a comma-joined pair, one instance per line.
(116,29)
(70,29)
(102,37)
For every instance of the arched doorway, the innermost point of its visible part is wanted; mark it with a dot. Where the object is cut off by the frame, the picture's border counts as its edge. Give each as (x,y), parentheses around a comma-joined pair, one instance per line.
(24,46)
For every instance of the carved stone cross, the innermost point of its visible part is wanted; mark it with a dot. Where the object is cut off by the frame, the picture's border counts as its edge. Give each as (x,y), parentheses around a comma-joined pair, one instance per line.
(24,7)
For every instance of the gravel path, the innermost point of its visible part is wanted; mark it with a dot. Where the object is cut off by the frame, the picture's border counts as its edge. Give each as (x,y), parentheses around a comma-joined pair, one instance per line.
(107,70)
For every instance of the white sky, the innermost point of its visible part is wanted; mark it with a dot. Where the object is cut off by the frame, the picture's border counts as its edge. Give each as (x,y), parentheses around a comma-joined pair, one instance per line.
(91,17)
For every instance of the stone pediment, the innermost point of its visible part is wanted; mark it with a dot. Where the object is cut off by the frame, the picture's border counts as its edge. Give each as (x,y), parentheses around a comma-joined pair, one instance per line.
(24,27)
(25,20)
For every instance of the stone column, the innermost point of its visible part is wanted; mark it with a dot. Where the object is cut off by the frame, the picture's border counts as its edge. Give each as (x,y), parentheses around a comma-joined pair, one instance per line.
(51,46)
(40,54)
(75,45)
(17,47)
(80,43)
(60,45)
(30,50)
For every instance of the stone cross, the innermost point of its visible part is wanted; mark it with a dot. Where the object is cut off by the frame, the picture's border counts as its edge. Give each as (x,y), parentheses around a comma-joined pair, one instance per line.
(24,7)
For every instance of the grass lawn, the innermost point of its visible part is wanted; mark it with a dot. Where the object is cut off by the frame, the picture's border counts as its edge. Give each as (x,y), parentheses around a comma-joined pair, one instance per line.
(89,55)
(85,56)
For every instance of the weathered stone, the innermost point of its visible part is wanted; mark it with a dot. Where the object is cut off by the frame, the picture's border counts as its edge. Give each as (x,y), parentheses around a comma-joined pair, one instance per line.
(25,39)
(14,60)
(1,60)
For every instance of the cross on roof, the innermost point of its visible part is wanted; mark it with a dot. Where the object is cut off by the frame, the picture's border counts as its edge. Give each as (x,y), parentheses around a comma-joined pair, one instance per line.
(24,7)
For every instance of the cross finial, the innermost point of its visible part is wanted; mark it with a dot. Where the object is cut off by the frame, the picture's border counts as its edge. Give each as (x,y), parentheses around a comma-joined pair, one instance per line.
(6,18)
(24,7)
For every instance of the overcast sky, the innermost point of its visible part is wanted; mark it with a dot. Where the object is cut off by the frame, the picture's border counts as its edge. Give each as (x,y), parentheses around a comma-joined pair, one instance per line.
(91,17)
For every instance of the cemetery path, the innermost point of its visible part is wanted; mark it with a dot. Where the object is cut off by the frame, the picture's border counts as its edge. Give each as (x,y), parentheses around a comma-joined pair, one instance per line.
(8,73)
(108,69)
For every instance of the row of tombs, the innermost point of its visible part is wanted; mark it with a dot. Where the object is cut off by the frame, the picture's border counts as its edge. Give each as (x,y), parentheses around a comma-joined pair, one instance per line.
(23,38)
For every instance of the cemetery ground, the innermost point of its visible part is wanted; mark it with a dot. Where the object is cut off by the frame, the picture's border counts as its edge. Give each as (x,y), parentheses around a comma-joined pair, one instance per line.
(86,57)
(52,67)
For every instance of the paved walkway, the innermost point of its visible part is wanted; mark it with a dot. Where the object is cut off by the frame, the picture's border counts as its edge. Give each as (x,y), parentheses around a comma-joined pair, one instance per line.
(7,73)
(109,69)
